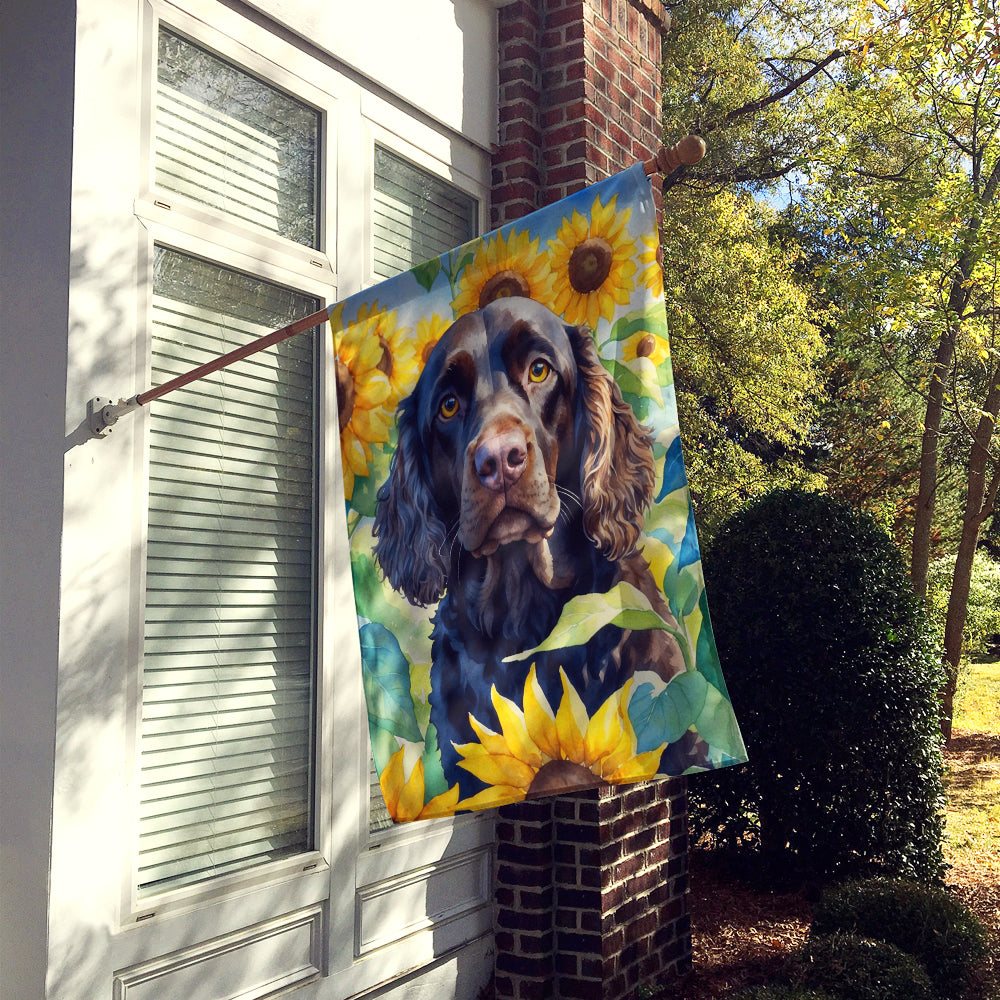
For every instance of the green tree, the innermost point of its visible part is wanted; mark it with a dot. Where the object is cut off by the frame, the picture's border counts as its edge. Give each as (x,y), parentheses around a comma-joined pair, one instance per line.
(748,357)
(911,188)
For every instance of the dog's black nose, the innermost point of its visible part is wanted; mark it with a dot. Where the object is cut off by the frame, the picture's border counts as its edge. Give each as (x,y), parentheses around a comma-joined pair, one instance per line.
(501,460)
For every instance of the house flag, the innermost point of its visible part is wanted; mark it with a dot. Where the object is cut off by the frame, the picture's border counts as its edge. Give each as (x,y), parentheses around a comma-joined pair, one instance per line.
(531,606)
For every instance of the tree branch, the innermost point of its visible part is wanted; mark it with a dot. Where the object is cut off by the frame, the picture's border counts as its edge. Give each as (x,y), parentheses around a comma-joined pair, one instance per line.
(754,106)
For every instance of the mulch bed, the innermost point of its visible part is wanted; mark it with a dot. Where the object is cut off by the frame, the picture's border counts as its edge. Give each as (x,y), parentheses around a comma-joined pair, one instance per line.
(742,935)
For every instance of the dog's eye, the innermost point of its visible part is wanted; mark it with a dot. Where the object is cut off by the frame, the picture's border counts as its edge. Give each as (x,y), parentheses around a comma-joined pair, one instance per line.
(539,370)
(449,406)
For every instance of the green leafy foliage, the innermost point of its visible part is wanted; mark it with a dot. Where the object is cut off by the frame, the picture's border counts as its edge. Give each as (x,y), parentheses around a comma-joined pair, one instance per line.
(746,353)
(924,921)
(983,611)
(385,673)
(833,673)
(857,968)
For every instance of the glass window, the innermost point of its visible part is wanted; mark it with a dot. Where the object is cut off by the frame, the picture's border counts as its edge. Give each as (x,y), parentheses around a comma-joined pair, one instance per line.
(228,140)
(416,215)
(228,683)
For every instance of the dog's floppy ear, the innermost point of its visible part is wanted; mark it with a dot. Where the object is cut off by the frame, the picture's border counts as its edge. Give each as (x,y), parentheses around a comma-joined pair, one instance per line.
(616,470)
(409,531)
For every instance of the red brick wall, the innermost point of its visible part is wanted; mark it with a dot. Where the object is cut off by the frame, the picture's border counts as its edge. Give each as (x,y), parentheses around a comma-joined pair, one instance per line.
(591,893)
(591,889)
(579,96)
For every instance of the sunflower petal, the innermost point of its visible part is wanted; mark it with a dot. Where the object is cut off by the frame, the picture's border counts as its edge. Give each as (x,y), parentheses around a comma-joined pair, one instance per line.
(498,769)
(441,805)
(391,781)
(539,718)
(643,765)
(571,722)
(489,741)
(411,799)
(498,795)
(604,731)
(515,732)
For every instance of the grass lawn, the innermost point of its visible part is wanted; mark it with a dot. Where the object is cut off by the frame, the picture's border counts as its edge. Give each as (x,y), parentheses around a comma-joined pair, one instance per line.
(973,811)
(974,771)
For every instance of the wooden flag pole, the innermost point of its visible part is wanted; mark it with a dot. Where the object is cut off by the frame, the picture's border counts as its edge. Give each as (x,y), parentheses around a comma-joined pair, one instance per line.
(103,413)
(687,152)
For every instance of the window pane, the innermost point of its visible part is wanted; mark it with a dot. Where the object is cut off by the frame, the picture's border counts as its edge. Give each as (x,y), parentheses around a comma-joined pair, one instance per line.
(226,139)
(417,215)
(228,658)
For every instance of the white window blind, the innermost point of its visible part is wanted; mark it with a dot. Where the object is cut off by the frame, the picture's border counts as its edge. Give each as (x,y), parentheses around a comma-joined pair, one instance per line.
(228,659)
(228,140)
(416,216)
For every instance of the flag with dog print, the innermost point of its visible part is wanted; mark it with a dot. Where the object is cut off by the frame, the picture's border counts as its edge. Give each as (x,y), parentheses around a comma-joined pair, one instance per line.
(531,606)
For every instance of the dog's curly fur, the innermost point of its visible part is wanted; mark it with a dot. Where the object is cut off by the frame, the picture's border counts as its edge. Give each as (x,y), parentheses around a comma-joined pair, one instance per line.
(521,479)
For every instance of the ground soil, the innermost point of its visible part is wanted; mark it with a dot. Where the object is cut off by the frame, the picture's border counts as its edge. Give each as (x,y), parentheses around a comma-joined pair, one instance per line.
(742,934)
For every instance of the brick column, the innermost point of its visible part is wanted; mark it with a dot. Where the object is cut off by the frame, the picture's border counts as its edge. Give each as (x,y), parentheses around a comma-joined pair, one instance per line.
(591,889)
(579,96)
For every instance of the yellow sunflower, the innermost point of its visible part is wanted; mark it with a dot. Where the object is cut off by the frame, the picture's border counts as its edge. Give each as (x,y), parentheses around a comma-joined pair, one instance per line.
(651,274)
(645,346)
(503,266)
(539,752)
(429,330)
(593,264)
(404,793)
(363,393)
(645,354)
(399,356)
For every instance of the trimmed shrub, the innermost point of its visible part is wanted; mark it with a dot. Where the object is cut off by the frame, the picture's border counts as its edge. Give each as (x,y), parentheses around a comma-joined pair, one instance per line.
(857,968)
(925,922)
(833,672)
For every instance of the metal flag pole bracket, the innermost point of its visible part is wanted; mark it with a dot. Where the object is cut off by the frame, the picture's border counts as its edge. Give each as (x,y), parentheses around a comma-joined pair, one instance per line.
(103,413)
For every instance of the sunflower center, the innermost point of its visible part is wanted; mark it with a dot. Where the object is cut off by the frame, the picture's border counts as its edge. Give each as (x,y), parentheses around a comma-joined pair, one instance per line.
(590,264)
(385,362)
(561,776)
(646,346)
(345,394)
(503,285)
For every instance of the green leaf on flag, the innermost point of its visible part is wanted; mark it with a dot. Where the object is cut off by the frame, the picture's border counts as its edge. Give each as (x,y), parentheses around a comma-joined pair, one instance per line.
(717,726)
(584,616)
(427,273)
(435,782)
(670,714)
(386,676)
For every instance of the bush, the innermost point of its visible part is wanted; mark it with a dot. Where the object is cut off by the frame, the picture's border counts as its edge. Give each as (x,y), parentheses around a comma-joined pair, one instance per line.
(782,993)
(856,968)
(833,673)
(925,922)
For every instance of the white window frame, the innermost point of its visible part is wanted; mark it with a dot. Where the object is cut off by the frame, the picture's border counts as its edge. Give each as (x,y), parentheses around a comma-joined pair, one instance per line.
(180,224)
(345,883)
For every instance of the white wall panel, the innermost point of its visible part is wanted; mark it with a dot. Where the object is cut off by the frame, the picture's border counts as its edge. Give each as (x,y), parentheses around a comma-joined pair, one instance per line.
(438,56)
